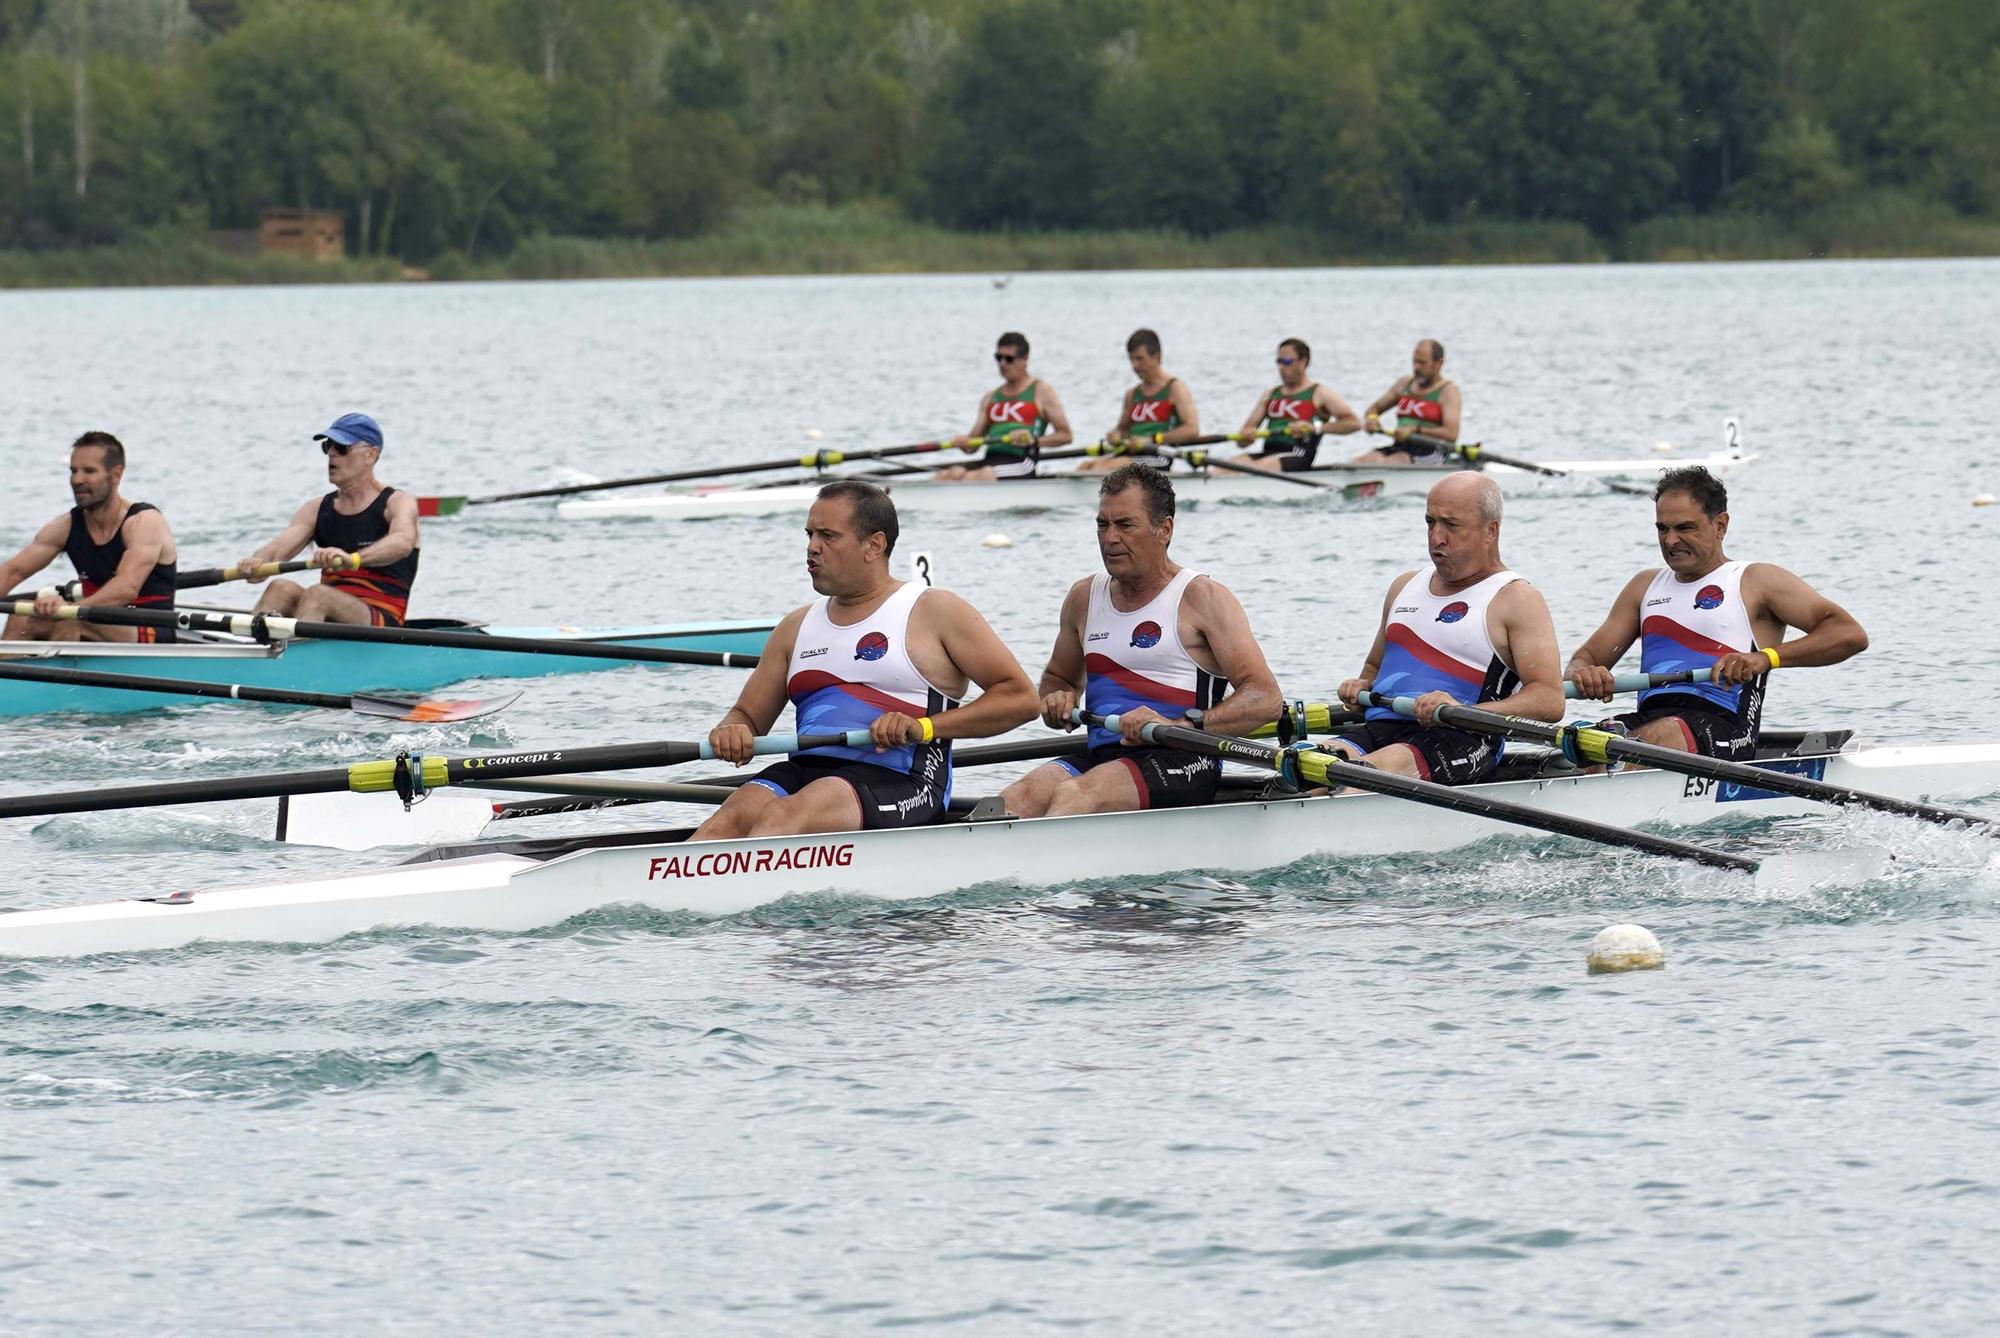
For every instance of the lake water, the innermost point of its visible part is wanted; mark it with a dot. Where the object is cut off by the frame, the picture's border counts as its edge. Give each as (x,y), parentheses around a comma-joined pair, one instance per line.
(1379,1096)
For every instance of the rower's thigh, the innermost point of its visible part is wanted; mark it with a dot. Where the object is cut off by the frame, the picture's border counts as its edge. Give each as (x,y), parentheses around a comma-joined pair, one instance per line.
(1110,787)
(1666,732)
(280,597)
(737,815)
(28,628)
(324,604)
(95,632)
(828,804)
(1399,758)
(1029,796)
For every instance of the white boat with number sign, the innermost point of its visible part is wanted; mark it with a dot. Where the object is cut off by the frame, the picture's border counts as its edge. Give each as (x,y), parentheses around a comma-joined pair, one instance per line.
(523,885)
(1069,489)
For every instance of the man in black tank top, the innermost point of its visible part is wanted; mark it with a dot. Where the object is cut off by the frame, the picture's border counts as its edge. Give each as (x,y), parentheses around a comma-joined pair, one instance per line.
(123,552)
(362,519)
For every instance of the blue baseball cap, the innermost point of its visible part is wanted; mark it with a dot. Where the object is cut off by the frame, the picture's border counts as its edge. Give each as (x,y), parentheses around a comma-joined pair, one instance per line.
(353,429)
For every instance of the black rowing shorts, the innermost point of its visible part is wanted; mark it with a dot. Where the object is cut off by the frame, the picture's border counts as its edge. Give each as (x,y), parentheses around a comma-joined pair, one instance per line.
(1165,777)
(1446,756)
(1707,729)
(888,798)
(1293,456)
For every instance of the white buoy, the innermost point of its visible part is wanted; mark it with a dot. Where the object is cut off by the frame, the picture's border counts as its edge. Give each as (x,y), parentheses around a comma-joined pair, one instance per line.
(813,434)
(1625,948)
(1663,448)
(1984,499)
(996,541)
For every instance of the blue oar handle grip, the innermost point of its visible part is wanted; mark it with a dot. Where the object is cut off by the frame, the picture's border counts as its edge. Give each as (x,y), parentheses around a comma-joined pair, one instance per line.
(791,743)
(1640,682)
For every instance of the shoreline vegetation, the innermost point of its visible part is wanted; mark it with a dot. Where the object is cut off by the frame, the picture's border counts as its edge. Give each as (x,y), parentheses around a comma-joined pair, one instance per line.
(860,239)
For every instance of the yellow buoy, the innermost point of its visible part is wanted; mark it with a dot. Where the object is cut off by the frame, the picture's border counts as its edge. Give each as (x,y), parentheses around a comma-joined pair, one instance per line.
(996,541)
(1984,499)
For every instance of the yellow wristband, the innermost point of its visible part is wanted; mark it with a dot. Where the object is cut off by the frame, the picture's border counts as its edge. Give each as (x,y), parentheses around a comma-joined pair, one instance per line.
(925,728)
(1771,654)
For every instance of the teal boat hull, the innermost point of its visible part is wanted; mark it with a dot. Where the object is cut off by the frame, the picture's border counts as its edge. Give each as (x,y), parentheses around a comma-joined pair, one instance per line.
(338,666)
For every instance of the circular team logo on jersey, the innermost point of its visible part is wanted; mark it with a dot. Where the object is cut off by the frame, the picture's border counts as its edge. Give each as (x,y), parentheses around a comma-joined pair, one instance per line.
(1708,597)
(871,647)
(1453,611)
(1146,635)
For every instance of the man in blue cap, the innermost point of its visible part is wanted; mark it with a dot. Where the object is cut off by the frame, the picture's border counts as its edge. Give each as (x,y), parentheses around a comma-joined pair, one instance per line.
(363,533)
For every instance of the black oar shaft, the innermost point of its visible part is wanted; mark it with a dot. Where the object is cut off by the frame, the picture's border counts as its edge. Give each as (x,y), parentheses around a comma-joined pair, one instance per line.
(1334,771)
(822,459)
(396,773)
(1203,460)
(1597,745)
(180,687)
(265,627)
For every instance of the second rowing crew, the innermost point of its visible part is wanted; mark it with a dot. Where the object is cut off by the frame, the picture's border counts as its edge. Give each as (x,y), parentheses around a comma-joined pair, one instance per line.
(363,535)
(1149,641)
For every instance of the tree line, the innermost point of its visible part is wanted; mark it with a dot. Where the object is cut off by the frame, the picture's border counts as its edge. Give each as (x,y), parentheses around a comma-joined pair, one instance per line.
(467,125)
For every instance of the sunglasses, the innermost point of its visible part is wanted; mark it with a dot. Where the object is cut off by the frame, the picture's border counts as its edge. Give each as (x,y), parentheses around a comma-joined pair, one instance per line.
(1286,362)
(328,446)
(1006,357)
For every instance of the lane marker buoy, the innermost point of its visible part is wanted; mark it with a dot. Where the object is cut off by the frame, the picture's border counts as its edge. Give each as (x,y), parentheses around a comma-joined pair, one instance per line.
(1625,948)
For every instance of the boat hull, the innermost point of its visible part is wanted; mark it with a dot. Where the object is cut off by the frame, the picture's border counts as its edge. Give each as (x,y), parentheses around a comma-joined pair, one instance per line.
(1068,489)
(335,666)
(514,892)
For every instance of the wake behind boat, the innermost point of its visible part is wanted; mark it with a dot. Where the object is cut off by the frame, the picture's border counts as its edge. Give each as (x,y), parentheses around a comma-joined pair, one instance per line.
(525,885)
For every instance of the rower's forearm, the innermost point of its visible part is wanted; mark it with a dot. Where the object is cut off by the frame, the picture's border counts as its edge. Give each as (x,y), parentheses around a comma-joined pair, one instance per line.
(1541,701)
(1052,440)
(1823,645)
(991,713)
(384,551)
(1181,435)
(1242,711)
(1055,682)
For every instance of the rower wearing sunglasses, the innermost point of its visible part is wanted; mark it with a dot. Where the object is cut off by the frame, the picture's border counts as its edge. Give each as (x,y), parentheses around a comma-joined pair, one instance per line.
(1016,421)
(362,516)
(1288,410)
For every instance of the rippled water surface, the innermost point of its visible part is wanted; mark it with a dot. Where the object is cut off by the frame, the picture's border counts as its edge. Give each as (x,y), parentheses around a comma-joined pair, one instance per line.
(1380,1096)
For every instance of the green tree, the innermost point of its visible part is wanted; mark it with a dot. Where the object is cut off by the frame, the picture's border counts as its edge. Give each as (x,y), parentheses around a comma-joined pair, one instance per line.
(689,169)
(1540,109)
(1007,143)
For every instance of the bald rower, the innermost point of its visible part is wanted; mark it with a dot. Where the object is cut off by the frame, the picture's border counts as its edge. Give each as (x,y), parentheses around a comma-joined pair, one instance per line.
(1465,630)
(1427,410)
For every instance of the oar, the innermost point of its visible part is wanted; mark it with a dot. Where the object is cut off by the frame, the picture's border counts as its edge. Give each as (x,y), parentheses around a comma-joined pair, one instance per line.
(451,506)
(1315,768)
(1586,743)
(267,628)
(1473,452)
(410,777)
(407,706)
(1204,460)
(73,590)
(262,571)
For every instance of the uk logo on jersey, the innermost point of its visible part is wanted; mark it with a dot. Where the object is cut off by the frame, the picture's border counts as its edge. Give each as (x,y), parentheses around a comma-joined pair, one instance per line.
(871,647)
(1453,611)
(1012,411)
(1708,597)
(1146,635)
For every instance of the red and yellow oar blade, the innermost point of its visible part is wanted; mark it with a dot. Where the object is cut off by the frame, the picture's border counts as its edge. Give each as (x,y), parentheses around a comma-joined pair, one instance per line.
(426,710)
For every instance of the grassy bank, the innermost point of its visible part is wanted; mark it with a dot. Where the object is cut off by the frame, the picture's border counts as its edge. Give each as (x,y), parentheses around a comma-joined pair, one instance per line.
(789,239)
